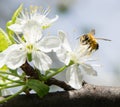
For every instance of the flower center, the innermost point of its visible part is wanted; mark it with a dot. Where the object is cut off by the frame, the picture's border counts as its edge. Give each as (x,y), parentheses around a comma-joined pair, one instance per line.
(73,57)
(29,48)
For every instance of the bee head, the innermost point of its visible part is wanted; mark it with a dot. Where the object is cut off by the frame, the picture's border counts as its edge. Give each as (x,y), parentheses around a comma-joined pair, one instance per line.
(84,39)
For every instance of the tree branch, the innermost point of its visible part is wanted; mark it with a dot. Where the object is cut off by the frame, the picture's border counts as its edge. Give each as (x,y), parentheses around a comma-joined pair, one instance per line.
(30,71)
(88,95)
(61,84)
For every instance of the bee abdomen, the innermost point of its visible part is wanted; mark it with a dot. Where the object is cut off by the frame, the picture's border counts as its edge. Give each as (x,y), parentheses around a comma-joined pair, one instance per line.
(94,46)
(97,46)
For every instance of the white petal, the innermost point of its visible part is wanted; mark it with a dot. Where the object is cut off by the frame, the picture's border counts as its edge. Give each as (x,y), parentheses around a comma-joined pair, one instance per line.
(74,77)
(82,50)
(88,69)
(6,92)
(41,61)
(32,32)
(63,55)
(4,55)
(16,57)
(49,43)
(16,28)
(54,19)
(46,21)
(64,40)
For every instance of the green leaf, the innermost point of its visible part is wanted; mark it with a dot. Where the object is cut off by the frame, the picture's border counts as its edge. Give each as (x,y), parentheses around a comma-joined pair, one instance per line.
(4,40)
(4,68)
(14,72)
(39,87)
(13,20)
(10,32)
(16,13)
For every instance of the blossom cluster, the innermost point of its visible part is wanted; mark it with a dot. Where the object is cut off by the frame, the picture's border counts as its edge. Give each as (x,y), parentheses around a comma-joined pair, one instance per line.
(27,43)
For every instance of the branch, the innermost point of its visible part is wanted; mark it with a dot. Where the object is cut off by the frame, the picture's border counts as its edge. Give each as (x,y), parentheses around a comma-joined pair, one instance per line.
(87,96)
(30,71)
(61,84)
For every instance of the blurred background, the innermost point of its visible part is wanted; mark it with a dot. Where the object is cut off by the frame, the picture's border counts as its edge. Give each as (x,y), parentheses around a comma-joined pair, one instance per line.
(77,17)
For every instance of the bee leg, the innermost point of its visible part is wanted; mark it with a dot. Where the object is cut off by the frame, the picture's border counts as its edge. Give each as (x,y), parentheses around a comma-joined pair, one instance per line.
(84,83)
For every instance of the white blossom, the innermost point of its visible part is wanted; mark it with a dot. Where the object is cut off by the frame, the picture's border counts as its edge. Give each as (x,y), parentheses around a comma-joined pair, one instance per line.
(33,15)
(79,56)
(34,44)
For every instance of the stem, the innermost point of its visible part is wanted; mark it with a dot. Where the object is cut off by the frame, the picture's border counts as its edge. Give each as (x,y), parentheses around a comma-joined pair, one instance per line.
(6,83)
(14,95)
(10,74)
(17,81)
(56,72)
(59,70)
(16,85)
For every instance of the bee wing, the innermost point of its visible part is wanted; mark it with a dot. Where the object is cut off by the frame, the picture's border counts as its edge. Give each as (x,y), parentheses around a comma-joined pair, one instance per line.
(103,39)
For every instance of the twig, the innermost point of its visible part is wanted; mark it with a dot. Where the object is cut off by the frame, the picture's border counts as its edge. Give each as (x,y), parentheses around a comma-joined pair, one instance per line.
(61,84)
(30,71)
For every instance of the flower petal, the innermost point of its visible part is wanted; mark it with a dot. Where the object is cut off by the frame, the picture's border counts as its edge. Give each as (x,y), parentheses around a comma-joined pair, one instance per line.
(88,69)
(64,40)
(6,92)
(54,19)
(82,50)
(16,56)
(16,28)
(74,77)
(49,43)
(32,32)
(41,61)
(63,55)
(46,22)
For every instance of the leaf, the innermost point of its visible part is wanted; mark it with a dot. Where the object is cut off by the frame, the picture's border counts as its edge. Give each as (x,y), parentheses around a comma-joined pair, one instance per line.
(40,88)
(14,72)
(13,20)
(10,32)
(4,68)
(4,40)
(16,13)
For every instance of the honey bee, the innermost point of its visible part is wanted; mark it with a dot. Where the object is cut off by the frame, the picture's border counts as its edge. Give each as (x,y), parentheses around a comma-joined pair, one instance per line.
(91,41)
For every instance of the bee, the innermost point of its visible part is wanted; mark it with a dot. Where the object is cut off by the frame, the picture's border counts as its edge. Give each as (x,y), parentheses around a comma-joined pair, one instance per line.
(91,41)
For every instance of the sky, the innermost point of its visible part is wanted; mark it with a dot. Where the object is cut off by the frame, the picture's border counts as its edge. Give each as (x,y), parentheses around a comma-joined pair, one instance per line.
(79,18)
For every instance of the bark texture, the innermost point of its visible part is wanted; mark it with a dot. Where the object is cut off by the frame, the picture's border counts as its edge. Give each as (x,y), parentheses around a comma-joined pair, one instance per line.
(88,96)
